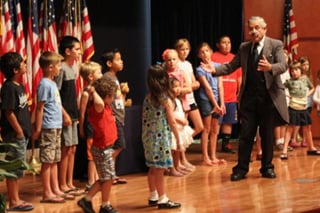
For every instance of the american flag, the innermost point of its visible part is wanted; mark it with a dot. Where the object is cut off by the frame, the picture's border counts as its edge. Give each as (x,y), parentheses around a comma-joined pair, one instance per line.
(75,22)
(21,45)
(87,41)
(290,36)
(70,19)
(48,37)
(20,41)
(7,39)
(33,48)
(7,43)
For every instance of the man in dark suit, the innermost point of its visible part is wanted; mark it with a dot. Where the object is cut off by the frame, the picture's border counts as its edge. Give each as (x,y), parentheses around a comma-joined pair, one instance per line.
(262,99)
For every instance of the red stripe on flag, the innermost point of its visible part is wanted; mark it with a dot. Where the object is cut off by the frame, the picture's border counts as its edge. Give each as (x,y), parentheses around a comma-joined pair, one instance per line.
(87,41)
(290,35)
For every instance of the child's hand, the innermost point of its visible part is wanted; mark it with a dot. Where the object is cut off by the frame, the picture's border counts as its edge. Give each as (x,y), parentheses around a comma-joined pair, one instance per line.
(35,135)
(91,90)
(67,120)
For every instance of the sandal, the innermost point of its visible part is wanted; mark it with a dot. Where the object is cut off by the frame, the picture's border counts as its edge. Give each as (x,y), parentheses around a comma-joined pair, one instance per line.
(119,181)
(24,206)
(313,152)
(284,156)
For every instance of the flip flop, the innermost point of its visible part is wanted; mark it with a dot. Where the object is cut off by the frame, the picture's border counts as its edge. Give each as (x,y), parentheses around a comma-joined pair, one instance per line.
(75,192)
(53,200)
(21,207)
(119,181)
(67,196)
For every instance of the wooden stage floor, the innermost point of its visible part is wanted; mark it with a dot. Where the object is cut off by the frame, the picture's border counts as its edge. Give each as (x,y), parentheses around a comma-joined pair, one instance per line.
(209,189)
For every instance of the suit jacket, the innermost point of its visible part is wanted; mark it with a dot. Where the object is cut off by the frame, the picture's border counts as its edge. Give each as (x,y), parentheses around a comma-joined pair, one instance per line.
(273,50)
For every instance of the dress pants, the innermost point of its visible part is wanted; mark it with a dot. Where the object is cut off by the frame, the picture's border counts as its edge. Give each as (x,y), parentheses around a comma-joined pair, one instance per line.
(256,110)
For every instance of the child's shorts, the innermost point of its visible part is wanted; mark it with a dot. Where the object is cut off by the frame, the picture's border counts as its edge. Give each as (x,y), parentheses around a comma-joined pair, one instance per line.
(50,146)
(121,141)
(70,134)
(104,163)
(18,153)
(231,116)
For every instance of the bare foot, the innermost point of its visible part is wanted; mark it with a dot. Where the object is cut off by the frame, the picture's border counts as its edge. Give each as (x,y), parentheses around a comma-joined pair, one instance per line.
(176,173)
(182,170)
(188,165)
(207,163)
(217,161)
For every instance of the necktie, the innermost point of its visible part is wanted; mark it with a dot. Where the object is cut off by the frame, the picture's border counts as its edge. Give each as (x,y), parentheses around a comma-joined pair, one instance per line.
(255,54)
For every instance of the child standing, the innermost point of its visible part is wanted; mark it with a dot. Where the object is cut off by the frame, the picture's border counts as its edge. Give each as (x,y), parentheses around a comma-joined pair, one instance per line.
(48,125)
(305,71)
(171,61)
(299,88)
(15,122)
(158,123)
(113,61)
(89,71)
(231,87)
(211,105)
(185,131)
(104,135)
(70,49)
(182,46)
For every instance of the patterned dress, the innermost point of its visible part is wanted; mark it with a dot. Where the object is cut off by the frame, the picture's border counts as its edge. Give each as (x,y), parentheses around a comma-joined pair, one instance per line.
(156,136)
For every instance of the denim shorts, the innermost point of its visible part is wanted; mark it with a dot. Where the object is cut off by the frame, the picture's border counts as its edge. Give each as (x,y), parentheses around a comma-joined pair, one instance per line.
(17,153)
(206,108)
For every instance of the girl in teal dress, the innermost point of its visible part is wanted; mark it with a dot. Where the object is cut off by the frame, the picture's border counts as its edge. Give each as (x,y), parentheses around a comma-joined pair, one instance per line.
(157,125)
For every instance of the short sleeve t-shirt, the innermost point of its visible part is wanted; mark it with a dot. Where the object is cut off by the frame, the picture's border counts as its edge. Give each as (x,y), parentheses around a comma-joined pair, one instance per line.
(118,103)
(230,82)
(104,126)
(67,86)
(52,111)
(13,97)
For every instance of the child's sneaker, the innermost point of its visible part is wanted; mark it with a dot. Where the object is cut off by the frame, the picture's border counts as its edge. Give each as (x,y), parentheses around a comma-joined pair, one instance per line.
(85,205)
(107,209)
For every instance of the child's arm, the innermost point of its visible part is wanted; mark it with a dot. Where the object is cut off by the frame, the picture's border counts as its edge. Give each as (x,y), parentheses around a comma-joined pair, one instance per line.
(38,120)
(12,119)
(205,84)
(183,121)
(194,83)
(83,106)
(171,120)
(66,118)
(98,102)
(186,88)
(316,96)
(221,95)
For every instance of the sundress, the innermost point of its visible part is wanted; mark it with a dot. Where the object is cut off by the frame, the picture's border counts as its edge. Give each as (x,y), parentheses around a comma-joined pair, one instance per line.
(156,136)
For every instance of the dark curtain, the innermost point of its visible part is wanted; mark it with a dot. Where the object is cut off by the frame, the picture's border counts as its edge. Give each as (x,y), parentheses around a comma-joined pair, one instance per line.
(196,20)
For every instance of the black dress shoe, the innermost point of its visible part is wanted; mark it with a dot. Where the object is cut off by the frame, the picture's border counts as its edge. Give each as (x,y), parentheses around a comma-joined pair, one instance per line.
(237,176)
(228,150)
(153,202)
(169,205)
(269,173)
